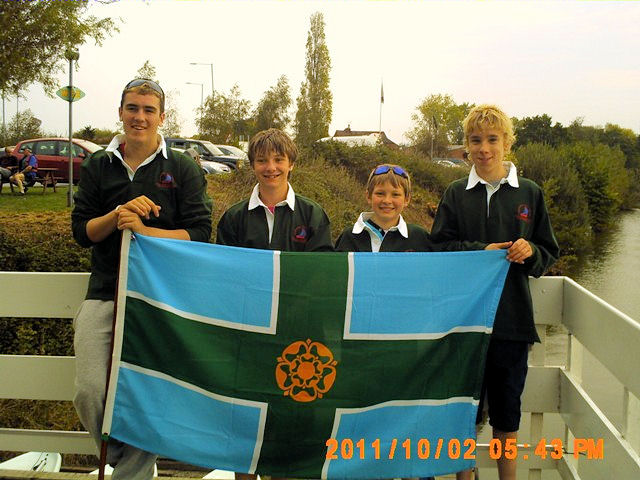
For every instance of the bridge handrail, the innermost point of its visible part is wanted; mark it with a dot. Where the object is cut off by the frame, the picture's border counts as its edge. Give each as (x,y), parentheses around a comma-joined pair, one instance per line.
(608,334)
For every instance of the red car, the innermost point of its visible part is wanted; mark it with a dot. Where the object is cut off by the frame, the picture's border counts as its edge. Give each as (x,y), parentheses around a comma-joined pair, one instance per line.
(54,153)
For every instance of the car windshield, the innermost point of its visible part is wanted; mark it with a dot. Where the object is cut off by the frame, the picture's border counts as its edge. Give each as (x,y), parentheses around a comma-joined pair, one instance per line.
(212,148)
(233,150)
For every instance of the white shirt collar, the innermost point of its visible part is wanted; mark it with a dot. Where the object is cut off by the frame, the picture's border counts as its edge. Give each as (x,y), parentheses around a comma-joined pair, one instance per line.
(121,138)
(511,178)
(255,200)
(361,224)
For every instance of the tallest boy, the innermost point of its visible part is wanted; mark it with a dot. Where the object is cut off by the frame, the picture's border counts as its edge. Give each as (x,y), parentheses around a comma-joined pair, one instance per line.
(137,184)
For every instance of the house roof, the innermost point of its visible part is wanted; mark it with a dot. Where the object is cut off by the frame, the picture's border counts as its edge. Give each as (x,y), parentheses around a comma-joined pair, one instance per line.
(347,132)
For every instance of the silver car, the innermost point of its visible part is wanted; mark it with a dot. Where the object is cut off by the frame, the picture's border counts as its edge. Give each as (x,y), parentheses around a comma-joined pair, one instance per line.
(214,167)
(207,165)
(234,151)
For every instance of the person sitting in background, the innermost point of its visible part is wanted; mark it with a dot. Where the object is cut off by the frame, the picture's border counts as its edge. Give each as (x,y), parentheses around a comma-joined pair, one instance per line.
(26,175)
(7,160)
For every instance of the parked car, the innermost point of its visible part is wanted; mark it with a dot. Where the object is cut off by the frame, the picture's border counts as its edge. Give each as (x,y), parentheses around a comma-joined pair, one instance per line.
(235,152)
(450,162)
(207,150)
(54,153)
(208,166)
(215,167)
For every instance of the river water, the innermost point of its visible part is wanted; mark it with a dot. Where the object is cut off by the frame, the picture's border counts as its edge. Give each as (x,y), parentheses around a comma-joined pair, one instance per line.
(610,271)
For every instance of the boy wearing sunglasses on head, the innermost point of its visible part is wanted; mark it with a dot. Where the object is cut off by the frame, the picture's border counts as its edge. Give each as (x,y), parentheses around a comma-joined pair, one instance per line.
(139,184)
(383,229)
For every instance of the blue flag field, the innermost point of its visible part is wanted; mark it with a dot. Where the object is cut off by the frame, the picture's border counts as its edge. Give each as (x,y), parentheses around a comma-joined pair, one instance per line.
(301,365)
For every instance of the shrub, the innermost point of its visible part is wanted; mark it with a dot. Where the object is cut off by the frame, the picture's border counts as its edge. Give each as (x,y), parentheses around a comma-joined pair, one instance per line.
(40,242)
(360,160)
(565,199)
(603,177)
(434,177)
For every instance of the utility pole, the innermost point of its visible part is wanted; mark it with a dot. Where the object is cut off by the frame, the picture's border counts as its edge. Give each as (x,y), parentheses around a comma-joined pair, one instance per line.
(71,55)
(211,65)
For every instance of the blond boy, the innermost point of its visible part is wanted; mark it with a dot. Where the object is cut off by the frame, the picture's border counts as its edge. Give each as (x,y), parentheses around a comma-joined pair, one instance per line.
(494,204)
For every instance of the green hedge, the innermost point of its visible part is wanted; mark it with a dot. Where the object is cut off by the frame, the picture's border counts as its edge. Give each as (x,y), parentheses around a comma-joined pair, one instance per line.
(40,242)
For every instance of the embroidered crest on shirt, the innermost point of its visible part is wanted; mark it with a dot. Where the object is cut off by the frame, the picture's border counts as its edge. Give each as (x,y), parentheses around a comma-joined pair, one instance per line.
(301,234)
(524,212)
(166,181)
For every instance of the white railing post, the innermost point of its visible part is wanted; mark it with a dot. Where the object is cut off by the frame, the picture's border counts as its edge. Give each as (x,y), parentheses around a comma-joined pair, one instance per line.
(575,353)
(631,419)
(537,358)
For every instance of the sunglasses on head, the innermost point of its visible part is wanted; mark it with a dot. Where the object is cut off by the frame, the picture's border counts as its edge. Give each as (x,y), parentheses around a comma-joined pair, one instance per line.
(145,81)
(382,169)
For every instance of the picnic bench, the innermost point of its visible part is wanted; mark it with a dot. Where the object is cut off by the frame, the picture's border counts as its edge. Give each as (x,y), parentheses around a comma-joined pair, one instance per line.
(45,176)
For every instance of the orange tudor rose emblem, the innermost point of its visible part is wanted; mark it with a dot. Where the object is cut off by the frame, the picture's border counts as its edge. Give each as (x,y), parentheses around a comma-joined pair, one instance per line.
(306,370)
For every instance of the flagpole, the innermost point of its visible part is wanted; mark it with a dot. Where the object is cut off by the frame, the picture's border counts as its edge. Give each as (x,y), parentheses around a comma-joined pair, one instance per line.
(105,441)
(381,102)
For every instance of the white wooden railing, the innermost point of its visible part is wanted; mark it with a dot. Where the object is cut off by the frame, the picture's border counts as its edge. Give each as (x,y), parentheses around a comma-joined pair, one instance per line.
(551,390)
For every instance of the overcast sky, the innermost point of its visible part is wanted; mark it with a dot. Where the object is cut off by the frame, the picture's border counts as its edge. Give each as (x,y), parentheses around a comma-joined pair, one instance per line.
(567,59)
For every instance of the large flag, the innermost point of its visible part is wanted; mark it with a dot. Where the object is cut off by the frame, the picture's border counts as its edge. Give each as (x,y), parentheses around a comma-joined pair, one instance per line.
(301,365)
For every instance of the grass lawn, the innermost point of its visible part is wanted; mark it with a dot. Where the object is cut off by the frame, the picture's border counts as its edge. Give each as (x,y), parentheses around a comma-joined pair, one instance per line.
(34,200)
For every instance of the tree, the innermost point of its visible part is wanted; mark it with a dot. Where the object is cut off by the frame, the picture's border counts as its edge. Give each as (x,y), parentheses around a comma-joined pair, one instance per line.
(271,111)
(604,179)
(34,36)
(438,120)
(564,196)
(315,102)
(625,140)
(172,119)
(147,71)
(23,125)
(577,132)
(101,136)
(87,133)
(224,117)
(538,129)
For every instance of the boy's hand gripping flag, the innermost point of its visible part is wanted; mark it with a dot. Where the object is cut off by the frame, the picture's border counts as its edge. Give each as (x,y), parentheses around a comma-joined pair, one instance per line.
(301,365)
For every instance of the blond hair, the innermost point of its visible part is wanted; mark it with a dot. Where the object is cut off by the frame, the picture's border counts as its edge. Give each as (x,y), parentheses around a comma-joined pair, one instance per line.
(488,116)
(397,181)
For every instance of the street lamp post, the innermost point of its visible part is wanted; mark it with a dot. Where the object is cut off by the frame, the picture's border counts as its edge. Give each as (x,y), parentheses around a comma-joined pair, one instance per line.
(201,100)
(71,55)
(211,65)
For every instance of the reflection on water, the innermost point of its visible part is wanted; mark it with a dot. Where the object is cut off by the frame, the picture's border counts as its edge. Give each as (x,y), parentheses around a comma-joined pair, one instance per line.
(611,273)
(611,270)
(608,272)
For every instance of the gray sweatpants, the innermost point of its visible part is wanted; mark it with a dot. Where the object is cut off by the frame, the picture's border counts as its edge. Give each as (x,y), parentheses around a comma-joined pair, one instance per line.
(92,343)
